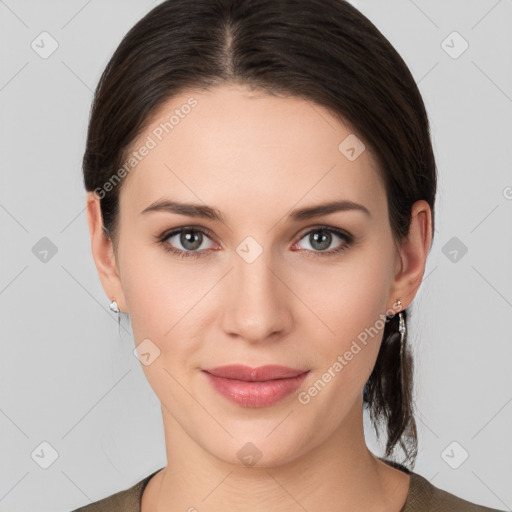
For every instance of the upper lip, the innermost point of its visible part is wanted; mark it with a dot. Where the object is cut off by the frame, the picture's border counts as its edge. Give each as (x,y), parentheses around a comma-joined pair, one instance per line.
(259,374)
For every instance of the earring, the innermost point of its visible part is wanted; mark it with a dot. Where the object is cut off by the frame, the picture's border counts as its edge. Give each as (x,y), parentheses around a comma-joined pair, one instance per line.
(401,324)
(113,306)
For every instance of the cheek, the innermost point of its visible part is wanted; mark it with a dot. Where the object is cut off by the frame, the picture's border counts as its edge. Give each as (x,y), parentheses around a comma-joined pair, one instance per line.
(343,362)
(167,301)
(160,298)
(158,291)
(350,299)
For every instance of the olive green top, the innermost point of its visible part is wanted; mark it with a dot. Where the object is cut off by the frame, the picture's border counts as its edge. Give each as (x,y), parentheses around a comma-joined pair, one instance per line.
(422,497)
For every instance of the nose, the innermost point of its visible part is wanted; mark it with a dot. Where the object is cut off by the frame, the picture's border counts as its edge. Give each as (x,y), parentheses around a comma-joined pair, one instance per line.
(258,305)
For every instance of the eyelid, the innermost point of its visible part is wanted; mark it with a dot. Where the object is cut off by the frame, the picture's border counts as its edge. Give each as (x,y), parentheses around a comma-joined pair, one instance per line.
(174,231)
(319,227)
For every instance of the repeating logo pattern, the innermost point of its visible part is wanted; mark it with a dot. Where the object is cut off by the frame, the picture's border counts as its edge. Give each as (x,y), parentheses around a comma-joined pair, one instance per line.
(459,58)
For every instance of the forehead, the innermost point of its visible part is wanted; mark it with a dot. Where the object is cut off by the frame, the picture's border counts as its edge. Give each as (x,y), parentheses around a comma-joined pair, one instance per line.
(229,143)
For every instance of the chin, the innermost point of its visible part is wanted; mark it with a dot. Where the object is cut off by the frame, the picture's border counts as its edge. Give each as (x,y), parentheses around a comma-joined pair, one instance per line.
(259,449)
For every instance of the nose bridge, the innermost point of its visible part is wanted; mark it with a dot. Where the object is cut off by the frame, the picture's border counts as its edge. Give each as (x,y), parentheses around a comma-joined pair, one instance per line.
(252,268)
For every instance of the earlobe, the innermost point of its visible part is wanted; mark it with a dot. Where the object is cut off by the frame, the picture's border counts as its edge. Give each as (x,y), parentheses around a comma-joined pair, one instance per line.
(413,253)
(102,252)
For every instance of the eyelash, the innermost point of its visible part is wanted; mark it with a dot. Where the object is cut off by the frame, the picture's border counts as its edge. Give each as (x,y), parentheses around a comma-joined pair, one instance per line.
(199,254)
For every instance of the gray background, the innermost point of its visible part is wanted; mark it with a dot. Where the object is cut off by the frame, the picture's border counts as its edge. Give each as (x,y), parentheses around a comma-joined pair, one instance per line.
(69,377)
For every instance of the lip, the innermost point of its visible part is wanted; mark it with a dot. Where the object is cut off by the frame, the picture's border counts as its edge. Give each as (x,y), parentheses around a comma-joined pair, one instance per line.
(259,374)
(255,387)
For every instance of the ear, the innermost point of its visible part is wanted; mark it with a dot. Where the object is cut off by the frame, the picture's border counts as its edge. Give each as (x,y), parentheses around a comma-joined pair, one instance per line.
(413,254)
(103,252)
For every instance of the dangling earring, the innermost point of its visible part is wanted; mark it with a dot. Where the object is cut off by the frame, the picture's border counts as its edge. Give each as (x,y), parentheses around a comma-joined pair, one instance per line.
(401,326)
(402,330)
(113,306)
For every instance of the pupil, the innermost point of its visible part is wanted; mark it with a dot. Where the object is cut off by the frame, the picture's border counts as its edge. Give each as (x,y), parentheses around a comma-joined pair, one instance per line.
(326,236)
(187,238)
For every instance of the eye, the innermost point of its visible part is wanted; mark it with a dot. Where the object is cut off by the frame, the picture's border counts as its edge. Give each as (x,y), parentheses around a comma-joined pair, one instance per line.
(321,238)
(191,239)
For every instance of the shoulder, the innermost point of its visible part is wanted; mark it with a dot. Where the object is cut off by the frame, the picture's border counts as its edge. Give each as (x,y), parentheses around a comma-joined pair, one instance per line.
(426,497)
(127,500)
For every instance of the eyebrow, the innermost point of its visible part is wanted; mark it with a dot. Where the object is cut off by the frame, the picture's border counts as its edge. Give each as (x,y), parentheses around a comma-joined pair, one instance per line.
(207,212)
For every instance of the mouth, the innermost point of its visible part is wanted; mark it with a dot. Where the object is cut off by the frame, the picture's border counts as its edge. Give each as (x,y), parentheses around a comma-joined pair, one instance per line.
(255,387)
(259,374)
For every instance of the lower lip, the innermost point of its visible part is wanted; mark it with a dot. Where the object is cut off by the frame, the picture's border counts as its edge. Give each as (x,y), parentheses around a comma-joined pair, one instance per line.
(255,394)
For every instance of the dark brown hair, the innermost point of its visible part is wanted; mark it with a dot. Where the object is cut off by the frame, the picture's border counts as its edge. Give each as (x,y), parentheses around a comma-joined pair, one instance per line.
(324,51)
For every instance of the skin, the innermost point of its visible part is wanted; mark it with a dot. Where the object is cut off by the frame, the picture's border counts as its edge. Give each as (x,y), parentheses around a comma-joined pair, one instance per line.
(255,157)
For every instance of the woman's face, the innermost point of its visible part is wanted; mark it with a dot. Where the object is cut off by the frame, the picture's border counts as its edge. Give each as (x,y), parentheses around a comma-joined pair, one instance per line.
(263,286)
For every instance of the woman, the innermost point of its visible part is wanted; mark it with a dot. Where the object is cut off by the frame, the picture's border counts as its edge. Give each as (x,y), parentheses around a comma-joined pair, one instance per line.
(261,187)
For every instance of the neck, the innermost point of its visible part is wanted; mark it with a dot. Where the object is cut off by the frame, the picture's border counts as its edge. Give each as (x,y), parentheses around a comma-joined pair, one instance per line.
(339,474)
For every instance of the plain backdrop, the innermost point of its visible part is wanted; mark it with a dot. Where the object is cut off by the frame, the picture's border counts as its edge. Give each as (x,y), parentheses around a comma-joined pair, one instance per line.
(78,420)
